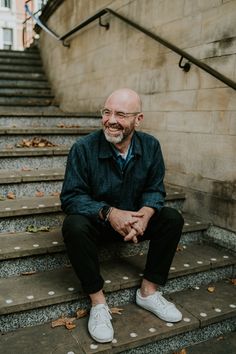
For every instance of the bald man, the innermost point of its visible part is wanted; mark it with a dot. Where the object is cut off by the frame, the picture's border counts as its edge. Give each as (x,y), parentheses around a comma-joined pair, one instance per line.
(113,191)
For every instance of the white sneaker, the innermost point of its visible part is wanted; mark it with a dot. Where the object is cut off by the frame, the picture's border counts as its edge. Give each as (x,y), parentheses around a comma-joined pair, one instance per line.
(99,324)
(158,305)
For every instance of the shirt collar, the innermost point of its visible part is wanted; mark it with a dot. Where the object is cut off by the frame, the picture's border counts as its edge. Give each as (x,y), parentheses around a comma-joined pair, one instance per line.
(105,150)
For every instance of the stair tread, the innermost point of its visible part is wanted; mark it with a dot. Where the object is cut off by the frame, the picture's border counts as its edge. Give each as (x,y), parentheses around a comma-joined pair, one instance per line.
(20,244)
(29,205)
(57,150)
(56,286)
(46,130)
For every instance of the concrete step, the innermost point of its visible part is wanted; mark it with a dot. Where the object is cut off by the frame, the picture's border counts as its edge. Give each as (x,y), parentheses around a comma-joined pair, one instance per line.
(33,54)
(35,92)
(20,61)
(43,251)
(23,76)
(25,101)
(21,68)
(34,84)
(136,331)
(222,344)
(39,297)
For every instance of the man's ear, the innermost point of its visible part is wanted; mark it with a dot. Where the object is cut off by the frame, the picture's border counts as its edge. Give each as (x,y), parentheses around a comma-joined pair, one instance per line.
(138,120)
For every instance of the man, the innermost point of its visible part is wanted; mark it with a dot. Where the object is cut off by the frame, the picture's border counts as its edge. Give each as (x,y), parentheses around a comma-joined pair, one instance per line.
(113,191)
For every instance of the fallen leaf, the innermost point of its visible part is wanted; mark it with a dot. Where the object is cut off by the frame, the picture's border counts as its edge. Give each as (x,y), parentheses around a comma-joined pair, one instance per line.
(9,146)
(81,313)
(11,195)
(64,321)
(39,194)
(63,125)
(211,289)
(233,281)
(32,228)
(55,194)
(35,142)
(182,351)
(25,168)
(116,310)
(179,249)
(29,273)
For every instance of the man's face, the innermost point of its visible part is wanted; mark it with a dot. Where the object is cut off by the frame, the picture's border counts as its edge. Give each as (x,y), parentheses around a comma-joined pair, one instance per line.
(117,125)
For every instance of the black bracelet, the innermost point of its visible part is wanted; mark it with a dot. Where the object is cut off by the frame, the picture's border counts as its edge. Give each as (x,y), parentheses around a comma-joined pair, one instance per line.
(105,211)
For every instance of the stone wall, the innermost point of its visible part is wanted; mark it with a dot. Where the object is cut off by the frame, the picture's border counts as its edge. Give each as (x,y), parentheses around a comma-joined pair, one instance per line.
(192,114)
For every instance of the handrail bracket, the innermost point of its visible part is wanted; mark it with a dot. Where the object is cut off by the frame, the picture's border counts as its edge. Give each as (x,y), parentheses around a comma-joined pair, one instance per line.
(106,25)
(186,67)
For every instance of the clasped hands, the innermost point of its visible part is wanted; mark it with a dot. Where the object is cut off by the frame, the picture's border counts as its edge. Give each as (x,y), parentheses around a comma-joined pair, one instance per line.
(130,224)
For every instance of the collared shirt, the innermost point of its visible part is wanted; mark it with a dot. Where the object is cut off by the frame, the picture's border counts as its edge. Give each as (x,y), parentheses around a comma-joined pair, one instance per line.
(120,159)
(93,179)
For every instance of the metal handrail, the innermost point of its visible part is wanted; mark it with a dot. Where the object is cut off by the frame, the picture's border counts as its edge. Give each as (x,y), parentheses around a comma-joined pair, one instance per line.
(182,53)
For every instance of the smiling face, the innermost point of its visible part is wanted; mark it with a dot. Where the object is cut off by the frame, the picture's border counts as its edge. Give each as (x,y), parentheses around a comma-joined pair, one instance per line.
(117,127)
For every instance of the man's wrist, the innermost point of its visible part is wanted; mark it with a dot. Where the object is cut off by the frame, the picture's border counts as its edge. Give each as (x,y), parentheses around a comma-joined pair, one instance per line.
(105,212)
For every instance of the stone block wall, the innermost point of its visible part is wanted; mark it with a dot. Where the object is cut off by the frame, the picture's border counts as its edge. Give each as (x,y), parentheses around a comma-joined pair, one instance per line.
(192,114)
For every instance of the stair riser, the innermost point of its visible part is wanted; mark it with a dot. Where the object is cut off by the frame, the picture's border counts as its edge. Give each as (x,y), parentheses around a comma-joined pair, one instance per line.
(116,298)
(24,101)
(23,76)
(13,140)
(20,61)
(20,68)
(25,92)
(48,121)
(33,162)
(29,189)
(20,55)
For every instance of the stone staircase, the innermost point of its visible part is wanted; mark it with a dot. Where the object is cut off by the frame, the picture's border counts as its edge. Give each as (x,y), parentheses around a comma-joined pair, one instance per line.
(37,282)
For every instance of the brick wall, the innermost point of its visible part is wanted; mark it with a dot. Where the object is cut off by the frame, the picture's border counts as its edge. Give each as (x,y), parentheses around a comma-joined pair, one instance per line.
(192,114)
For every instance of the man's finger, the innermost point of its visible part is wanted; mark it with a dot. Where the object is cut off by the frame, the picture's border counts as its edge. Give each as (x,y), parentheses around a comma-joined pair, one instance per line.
(130,235)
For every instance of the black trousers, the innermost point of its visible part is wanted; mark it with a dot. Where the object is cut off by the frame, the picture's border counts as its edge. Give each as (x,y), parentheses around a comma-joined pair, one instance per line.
(82,237)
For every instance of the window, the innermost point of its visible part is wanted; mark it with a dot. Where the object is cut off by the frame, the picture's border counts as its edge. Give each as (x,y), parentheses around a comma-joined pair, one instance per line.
(5,3)
(7,38)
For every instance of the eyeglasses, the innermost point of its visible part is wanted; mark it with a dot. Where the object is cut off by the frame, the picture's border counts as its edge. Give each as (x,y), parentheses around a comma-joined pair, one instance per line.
(105,112)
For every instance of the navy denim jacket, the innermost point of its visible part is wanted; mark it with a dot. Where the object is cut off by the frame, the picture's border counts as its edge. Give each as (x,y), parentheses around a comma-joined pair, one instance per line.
(93,178)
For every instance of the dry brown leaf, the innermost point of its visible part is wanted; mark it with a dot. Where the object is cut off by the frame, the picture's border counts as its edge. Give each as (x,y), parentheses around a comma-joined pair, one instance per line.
(35,142)
(81,313)
(63,125)
(63,321)
(25,168)
(39,194)
(179,249)
(116,310)
(70,325)
(11,195)
(182,351)
(211,289)
(233,281)
(29,273)
(55,194)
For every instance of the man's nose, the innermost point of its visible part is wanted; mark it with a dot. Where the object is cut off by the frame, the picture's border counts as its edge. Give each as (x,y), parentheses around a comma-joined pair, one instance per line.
(112,118)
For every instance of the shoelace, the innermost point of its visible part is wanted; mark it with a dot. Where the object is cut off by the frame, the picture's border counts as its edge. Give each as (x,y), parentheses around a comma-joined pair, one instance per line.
(159,299)
(101,315)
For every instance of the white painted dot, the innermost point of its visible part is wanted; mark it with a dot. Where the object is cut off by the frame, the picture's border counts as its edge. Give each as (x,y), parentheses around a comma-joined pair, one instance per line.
(225,257)
(186,224)
(169,324)
(30,297)
(56,173)
(108,281)
(71,289)
(186,265)
(141,274)
(186,319)
(12,175)
(184,247)
(125,278)
(7,208)
(114,341)
(41,205)
(55,243)
(199,262)
(176,192)
(93,346)
(42,174)
(213,259)
(24,207)
(217,310)
(196,288)
(133,334)
(56,204)
(51,293)
(28,175)
(198,222)
(9,301)
(141,253)
(172,268)
(232,306)
(70,353)
(35,245)
(203,314)
(152,330)
(17,248)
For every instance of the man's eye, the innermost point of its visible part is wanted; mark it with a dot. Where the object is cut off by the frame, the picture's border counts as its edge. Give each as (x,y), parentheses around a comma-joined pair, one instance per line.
(121,114)
(106,112)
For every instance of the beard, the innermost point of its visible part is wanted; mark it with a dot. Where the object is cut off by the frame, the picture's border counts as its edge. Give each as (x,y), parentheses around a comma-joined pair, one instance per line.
(119,136)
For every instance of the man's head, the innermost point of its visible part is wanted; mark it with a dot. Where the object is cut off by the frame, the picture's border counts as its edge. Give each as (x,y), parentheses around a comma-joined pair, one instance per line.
(121,114)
